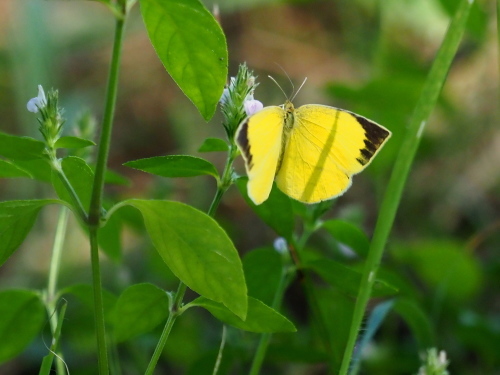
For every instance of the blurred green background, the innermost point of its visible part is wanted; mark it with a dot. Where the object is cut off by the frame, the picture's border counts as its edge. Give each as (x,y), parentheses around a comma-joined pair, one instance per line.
(367,56)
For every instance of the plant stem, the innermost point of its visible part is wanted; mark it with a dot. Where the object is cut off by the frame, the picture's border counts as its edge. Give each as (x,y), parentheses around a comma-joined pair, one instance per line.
(107,126)
(225,181)
(50,297)
(221,350)
(174,313)
(392,197)
(95,210)
(98,305)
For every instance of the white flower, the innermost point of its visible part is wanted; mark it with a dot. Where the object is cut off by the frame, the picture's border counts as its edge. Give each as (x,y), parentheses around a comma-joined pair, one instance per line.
(252,106)
(39,102)
(280,245)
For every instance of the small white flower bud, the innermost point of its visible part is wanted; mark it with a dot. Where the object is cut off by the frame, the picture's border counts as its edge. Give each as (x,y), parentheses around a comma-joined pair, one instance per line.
(39,102)
(252,106)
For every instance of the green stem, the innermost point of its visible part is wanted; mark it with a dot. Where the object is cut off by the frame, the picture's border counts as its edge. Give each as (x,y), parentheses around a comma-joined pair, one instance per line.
(107,126)
(94,219)
(226,180)
(392,197)
(174,313)
(50,298)
(98,305)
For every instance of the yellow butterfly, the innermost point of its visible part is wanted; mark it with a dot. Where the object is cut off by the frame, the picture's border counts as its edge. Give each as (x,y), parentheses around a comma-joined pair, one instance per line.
(312,151)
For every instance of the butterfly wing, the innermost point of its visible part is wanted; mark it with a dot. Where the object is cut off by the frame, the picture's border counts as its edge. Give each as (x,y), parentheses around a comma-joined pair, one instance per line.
(259,138)
(326,146)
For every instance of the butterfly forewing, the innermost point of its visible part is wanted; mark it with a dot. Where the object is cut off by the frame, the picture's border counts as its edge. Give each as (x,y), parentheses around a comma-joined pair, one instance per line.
(259,138)
(326,146)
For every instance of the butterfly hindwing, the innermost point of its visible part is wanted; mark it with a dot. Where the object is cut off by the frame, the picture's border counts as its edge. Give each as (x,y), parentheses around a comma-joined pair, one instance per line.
(325,147)
(259,138)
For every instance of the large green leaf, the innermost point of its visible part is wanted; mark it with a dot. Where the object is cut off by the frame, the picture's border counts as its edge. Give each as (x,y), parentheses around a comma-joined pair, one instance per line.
(192,48)
(175,166)
(260,317)
(81,177)
(16,220)
(140,308)
(22,148)
(22,316)
(197,250)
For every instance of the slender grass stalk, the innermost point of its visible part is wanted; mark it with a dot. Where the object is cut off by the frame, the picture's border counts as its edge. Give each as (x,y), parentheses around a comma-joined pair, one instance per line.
(95,210)
(50,296)
(46,366)
(392,197)
(221,351)
(175,311)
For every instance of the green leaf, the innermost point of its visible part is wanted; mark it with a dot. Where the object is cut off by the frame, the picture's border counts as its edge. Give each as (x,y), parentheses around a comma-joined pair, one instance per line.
(115,178)
(85,294)
(348,234)
(73,142)
(276,211)
(23,315)
(260,317)
(81,177)
(10,170)
(139,309)
(197,250)
(213,144)
(110,238)
(21,148)
(192,48)
(346,279)
(16,220)
(39,169)
(175,166)
(263,270)
(418,321)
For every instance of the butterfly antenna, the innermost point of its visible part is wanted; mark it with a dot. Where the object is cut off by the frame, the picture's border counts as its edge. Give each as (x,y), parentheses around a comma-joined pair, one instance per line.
(294,95)
(277,84)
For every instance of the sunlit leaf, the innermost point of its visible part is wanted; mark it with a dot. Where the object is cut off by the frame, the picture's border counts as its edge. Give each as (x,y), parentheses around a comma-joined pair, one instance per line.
(192,48)
(197,250)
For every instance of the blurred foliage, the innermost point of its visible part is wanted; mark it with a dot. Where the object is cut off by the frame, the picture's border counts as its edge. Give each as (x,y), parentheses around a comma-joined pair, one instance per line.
(367,56)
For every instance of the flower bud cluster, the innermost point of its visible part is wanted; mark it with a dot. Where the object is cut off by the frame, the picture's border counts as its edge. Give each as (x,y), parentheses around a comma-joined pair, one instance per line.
(51,121)
(237,101)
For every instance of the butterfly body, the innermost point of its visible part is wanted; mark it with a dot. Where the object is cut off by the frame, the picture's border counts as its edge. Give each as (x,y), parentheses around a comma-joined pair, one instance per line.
(312,151)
